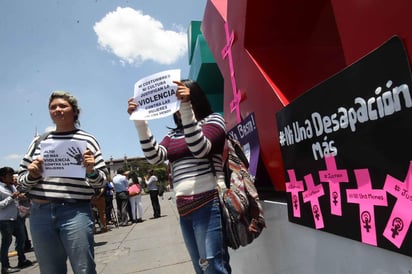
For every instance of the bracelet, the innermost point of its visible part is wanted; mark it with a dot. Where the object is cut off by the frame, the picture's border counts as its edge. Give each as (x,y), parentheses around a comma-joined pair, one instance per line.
(93,174)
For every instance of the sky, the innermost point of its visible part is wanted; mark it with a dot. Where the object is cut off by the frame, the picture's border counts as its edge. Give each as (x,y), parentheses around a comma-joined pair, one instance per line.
(95,49)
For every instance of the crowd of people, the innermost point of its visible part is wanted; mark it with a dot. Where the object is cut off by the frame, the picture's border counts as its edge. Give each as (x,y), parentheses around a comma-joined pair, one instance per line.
(126,189)
(13,213)
(15,208)
(66,204)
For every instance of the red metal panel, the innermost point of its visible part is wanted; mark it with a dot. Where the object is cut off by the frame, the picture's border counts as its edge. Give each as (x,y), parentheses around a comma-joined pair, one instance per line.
(283,48)
(365,25)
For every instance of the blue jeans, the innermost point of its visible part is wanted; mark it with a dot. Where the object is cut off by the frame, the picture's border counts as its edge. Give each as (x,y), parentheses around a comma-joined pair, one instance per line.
(60,231)
(203,234)
(7,230)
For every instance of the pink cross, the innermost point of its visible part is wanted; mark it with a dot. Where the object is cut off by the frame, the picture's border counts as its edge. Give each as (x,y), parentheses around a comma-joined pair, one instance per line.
(294,187)
(311,195)
(401,216)
(227,52)
(230,38)
(334,177)
(367,198)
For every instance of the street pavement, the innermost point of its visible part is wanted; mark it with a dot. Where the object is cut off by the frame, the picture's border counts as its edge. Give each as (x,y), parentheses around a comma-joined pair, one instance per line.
(154,246)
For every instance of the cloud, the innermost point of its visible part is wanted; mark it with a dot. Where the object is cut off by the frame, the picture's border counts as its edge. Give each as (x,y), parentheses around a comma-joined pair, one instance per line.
(135,38)
(13,157)
(12,160)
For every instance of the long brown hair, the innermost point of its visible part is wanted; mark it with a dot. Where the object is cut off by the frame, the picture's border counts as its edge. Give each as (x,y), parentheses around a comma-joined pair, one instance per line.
(200,103)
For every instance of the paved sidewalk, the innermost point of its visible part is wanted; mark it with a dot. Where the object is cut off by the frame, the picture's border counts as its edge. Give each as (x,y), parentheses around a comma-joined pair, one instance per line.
(154,246)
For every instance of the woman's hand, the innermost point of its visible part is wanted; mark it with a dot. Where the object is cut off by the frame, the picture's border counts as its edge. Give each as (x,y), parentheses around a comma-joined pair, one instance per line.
(182,92)
(132,106)
(15,195)
(88,161)
(35,169)
(22,196)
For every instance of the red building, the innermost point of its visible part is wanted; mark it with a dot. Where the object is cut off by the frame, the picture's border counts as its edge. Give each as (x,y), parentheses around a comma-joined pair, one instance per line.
(260,56)
(271,52)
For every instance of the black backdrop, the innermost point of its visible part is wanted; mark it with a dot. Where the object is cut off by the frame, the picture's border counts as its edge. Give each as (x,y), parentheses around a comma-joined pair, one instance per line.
(382,146)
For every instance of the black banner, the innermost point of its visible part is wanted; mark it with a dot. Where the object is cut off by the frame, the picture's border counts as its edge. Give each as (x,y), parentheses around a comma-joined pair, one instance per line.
(346,147)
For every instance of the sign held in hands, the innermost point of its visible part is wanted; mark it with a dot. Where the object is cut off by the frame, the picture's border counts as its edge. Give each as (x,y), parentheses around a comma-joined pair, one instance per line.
(63,158)
(156,96)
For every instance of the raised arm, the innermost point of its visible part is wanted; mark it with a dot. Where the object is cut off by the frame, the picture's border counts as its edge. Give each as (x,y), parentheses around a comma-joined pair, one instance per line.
(153,152)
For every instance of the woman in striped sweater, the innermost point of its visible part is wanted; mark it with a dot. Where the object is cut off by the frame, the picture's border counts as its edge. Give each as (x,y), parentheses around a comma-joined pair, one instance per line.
(60,220)
(196,142)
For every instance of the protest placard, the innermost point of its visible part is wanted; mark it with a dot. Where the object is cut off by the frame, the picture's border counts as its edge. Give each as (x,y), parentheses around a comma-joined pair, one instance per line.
(156,95)
(63,158)
(347,159)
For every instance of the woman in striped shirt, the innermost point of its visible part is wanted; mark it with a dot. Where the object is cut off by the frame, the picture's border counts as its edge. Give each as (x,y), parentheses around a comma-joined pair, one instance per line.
(196,142)
(60,220)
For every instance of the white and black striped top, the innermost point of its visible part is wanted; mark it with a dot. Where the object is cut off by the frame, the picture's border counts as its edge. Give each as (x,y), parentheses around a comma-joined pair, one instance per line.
(189,152)
(63,188)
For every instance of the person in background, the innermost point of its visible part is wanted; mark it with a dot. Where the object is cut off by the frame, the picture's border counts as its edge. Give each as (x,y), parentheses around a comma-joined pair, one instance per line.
(121,184)
(191,148)
(169,181)
(135,199)
(151,182)
(61,221)
(161,190)
(129,208)
(24,207)
(108,195)
(10,223)
(98,201)
(139,200)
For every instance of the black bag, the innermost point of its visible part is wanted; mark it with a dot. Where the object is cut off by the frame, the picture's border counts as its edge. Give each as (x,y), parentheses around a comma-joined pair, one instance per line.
(241,210)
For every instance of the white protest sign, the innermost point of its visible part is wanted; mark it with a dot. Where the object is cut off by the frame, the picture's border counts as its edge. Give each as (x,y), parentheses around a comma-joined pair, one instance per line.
(63,158)
(156,95)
